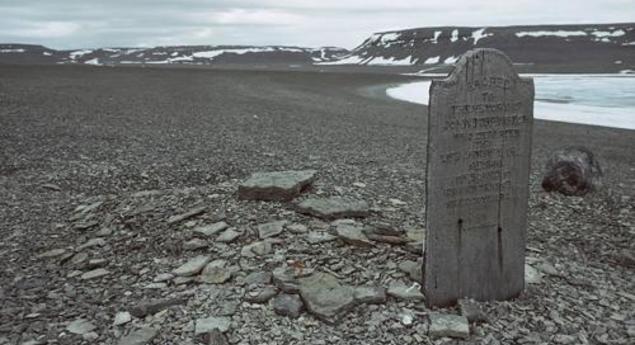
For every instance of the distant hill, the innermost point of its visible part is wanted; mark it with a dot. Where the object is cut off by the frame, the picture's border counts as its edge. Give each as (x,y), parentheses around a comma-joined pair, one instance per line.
(565,48)
(202,55)
(607,45)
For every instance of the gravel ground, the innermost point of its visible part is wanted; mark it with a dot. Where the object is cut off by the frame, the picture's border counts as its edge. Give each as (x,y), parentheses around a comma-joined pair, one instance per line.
(96,162)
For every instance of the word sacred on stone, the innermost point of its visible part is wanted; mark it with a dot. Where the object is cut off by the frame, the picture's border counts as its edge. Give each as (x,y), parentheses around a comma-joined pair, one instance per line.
(479,147)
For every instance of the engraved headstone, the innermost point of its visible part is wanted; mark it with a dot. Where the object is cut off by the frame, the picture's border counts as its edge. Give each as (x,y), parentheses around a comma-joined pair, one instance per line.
(479,147)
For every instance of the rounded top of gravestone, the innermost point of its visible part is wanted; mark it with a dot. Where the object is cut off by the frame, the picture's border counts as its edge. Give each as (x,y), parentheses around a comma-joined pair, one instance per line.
(482,63)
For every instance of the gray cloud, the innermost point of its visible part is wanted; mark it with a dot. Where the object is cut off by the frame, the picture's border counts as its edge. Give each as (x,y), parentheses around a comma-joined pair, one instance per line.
(90,23)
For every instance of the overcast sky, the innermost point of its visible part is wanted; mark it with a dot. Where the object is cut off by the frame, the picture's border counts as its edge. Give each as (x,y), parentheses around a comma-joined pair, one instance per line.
(345,23)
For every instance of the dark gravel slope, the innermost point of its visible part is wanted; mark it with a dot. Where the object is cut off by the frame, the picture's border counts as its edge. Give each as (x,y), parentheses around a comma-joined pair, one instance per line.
(76,135)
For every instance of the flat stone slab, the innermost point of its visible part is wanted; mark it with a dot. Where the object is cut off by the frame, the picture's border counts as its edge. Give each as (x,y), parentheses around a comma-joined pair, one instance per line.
(276,186)
(260,248)
(150,307)
(228,236)
(215,272)
(324,297)
(52,253)
(370,294)
(121,318)
(80,326)
(192,267)
(334,207)
(446,325)
(271,229)
(402,291)
(210,229)
(211,323)
(353,234)
(94,274)
(140,336)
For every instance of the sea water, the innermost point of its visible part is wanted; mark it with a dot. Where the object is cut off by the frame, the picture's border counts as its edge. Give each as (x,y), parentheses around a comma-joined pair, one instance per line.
(593,99)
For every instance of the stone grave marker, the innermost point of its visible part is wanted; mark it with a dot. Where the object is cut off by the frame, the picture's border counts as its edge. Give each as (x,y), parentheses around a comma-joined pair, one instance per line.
(479,147)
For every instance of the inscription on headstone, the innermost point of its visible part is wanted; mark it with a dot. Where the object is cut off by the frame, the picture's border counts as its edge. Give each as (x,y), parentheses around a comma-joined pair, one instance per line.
(479,147)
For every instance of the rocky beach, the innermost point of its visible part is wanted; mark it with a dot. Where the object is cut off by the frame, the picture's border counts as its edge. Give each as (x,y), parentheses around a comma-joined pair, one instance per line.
(126,216)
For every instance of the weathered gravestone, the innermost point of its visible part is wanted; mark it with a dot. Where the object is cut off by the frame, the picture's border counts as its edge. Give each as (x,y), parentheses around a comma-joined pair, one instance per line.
(479,146)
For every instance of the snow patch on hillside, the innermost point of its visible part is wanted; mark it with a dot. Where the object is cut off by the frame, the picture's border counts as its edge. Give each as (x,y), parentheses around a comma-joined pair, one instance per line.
(479,34)
(381,61)
(79,53)
(432,60)
(556,33)
(19,50)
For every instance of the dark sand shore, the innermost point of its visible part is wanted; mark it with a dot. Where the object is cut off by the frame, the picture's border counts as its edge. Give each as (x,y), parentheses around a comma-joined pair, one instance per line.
(73,135)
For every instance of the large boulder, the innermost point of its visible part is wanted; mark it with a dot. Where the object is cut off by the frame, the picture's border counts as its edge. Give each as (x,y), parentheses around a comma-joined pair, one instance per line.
(276,186)
(572,171)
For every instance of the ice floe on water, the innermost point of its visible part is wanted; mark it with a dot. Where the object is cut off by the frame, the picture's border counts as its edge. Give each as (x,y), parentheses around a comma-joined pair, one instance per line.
(602,100)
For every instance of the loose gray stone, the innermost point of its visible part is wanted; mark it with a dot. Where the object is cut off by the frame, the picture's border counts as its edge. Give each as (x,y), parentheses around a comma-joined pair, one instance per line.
(260,295)
(78,260)
(334,207)
(324,297)
(189,214)
(532,276)
(192,266)
(210,229)
(229,307)
(94,274)
(297,228)
(104,232)
(215,272)
(258,278)
(52,253)
(211,323)
(548,268)
(96,263)
(215,337)
(140,336)
(370,294)
(278,186)
(122,318)
(228,236)
(315,237)
(288,305)
(151,307)
(271,229)
(256,249)
(445,325)
(352,234)
(402,291)
(163,277)
(183,280)
(90,336)
(195,244)
(480,126)
(80,326)
(94,242)
(472,311)
(284,278)
(414,270)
